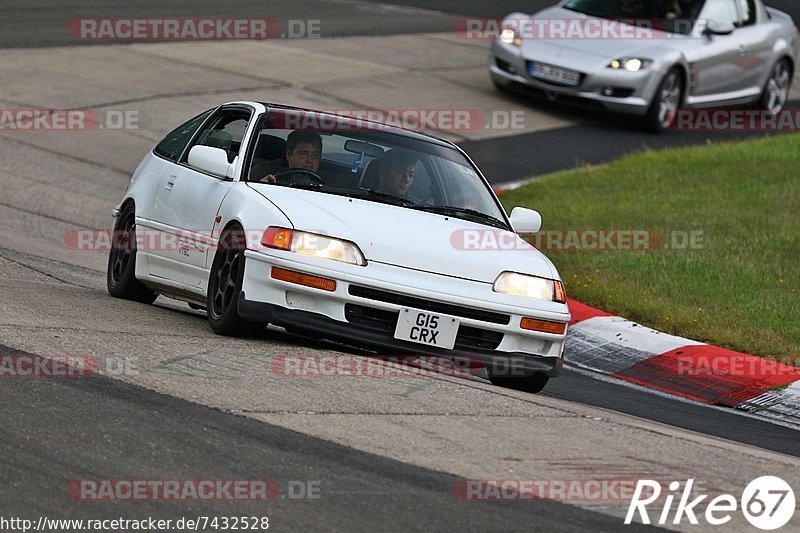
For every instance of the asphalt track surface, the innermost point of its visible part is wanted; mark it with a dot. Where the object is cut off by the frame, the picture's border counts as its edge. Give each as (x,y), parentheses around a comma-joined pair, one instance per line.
(60,430)
(57,430)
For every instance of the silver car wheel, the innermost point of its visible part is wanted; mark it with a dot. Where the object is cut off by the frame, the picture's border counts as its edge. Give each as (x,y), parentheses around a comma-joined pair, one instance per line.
(778,88)
(670,99)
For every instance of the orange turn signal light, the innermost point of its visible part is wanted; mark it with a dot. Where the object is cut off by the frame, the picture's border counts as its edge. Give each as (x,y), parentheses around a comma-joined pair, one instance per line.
(307,280)
(275,237)
(544,326)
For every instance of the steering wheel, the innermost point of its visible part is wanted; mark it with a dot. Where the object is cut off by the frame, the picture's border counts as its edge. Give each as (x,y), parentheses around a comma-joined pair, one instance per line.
(284,176)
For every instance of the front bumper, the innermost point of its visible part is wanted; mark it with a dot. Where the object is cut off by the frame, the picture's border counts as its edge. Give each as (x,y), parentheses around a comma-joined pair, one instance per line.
(632,92)
(364,307)
(511,364)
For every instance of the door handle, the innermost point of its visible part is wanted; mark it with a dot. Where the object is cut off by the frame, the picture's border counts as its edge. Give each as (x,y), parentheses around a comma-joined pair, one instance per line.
(170,182)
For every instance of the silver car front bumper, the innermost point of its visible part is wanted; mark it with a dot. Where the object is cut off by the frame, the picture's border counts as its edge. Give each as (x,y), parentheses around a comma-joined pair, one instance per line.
(642,86)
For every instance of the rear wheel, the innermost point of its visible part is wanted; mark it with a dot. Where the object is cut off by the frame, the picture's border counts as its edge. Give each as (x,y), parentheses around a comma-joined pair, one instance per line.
(776,91)
(666,102)
(121,271)
(533,383)
(225,285)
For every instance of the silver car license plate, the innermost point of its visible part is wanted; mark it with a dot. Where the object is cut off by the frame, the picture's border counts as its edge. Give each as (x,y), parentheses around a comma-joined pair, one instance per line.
(430,329)
(543,71)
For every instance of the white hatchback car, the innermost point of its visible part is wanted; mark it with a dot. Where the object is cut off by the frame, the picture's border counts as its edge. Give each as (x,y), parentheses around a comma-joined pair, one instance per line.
(343,229)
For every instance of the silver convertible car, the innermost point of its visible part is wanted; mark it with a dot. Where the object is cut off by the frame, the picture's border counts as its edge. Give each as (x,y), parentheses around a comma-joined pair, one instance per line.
(650,57)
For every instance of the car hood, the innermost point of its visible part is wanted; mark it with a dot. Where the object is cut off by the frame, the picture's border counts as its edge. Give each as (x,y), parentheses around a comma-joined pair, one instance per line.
(584,53)
(411,239)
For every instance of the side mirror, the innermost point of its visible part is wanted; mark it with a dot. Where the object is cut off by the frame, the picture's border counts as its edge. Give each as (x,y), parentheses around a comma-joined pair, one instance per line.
(525,220)
(211,160)
(718,28)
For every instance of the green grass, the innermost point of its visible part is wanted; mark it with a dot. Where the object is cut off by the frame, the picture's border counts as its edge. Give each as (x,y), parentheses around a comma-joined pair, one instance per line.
(741,290)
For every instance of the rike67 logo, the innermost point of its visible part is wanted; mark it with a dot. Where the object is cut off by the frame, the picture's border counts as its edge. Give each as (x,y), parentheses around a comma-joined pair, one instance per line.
(767,503)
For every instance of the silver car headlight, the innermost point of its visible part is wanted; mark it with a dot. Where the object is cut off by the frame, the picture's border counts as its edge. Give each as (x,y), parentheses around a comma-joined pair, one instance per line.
(516,284)
(631,64)
(510,35)
(313,245)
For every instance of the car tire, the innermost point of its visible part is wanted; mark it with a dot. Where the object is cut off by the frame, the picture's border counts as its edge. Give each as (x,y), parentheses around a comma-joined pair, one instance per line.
(776,91)
(225,285)
(666,102)
(121,279)
(533,383)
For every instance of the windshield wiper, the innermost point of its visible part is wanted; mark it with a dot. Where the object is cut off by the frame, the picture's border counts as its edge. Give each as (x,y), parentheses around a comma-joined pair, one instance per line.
(451,210)
(321,187)
(310,186)
(372,194)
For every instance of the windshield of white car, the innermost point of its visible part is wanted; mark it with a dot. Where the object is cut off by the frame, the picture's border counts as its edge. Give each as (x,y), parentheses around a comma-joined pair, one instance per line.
(377,196)
(379,166)
(671,16)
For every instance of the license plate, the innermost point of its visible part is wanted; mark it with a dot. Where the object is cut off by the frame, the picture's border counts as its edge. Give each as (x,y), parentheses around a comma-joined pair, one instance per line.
(430,329)
(543,71)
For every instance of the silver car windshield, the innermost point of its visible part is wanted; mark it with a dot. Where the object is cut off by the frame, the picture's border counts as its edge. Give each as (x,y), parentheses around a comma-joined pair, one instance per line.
(671,16)
(376,165)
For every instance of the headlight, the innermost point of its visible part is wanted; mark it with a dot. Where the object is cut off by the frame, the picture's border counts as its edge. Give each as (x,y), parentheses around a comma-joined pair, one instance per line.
(530,286)
(510,36)
(313,245)
(631,64)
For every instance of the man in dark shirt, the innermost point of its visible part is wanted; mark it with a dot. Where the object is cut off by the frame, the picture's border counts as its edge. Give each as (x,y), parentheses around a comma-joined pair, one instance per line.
(303,151)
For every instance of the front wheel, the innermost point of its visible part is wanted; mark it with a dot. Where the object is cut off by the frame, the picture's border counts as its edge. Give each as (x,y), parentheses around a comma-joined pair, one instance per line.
(121,279)
(776,91)
(225,285)
(533,383)
(666,102)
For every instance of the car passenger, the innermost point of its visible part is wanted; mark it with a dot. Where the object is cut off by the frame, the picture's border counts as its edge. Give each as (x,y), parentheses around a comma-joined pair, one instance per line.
(396,172)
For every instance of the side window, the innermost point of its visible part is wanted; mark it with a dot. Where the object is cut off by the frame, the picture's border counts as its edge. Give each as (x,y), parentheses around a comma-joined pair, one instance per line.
(748,11)
(226,131)
(722,12)
(173,144)
(269,153)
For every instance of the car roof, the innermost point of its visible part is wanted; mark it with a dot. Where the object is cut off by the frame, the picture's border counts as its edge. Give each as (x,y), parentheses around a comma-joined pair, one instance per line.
(262,107)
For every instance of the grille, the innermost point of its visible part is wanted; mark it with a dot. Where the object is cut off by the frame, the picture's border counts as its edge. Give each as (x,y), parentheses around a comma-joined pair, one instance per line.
(428,305)
(381,321)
